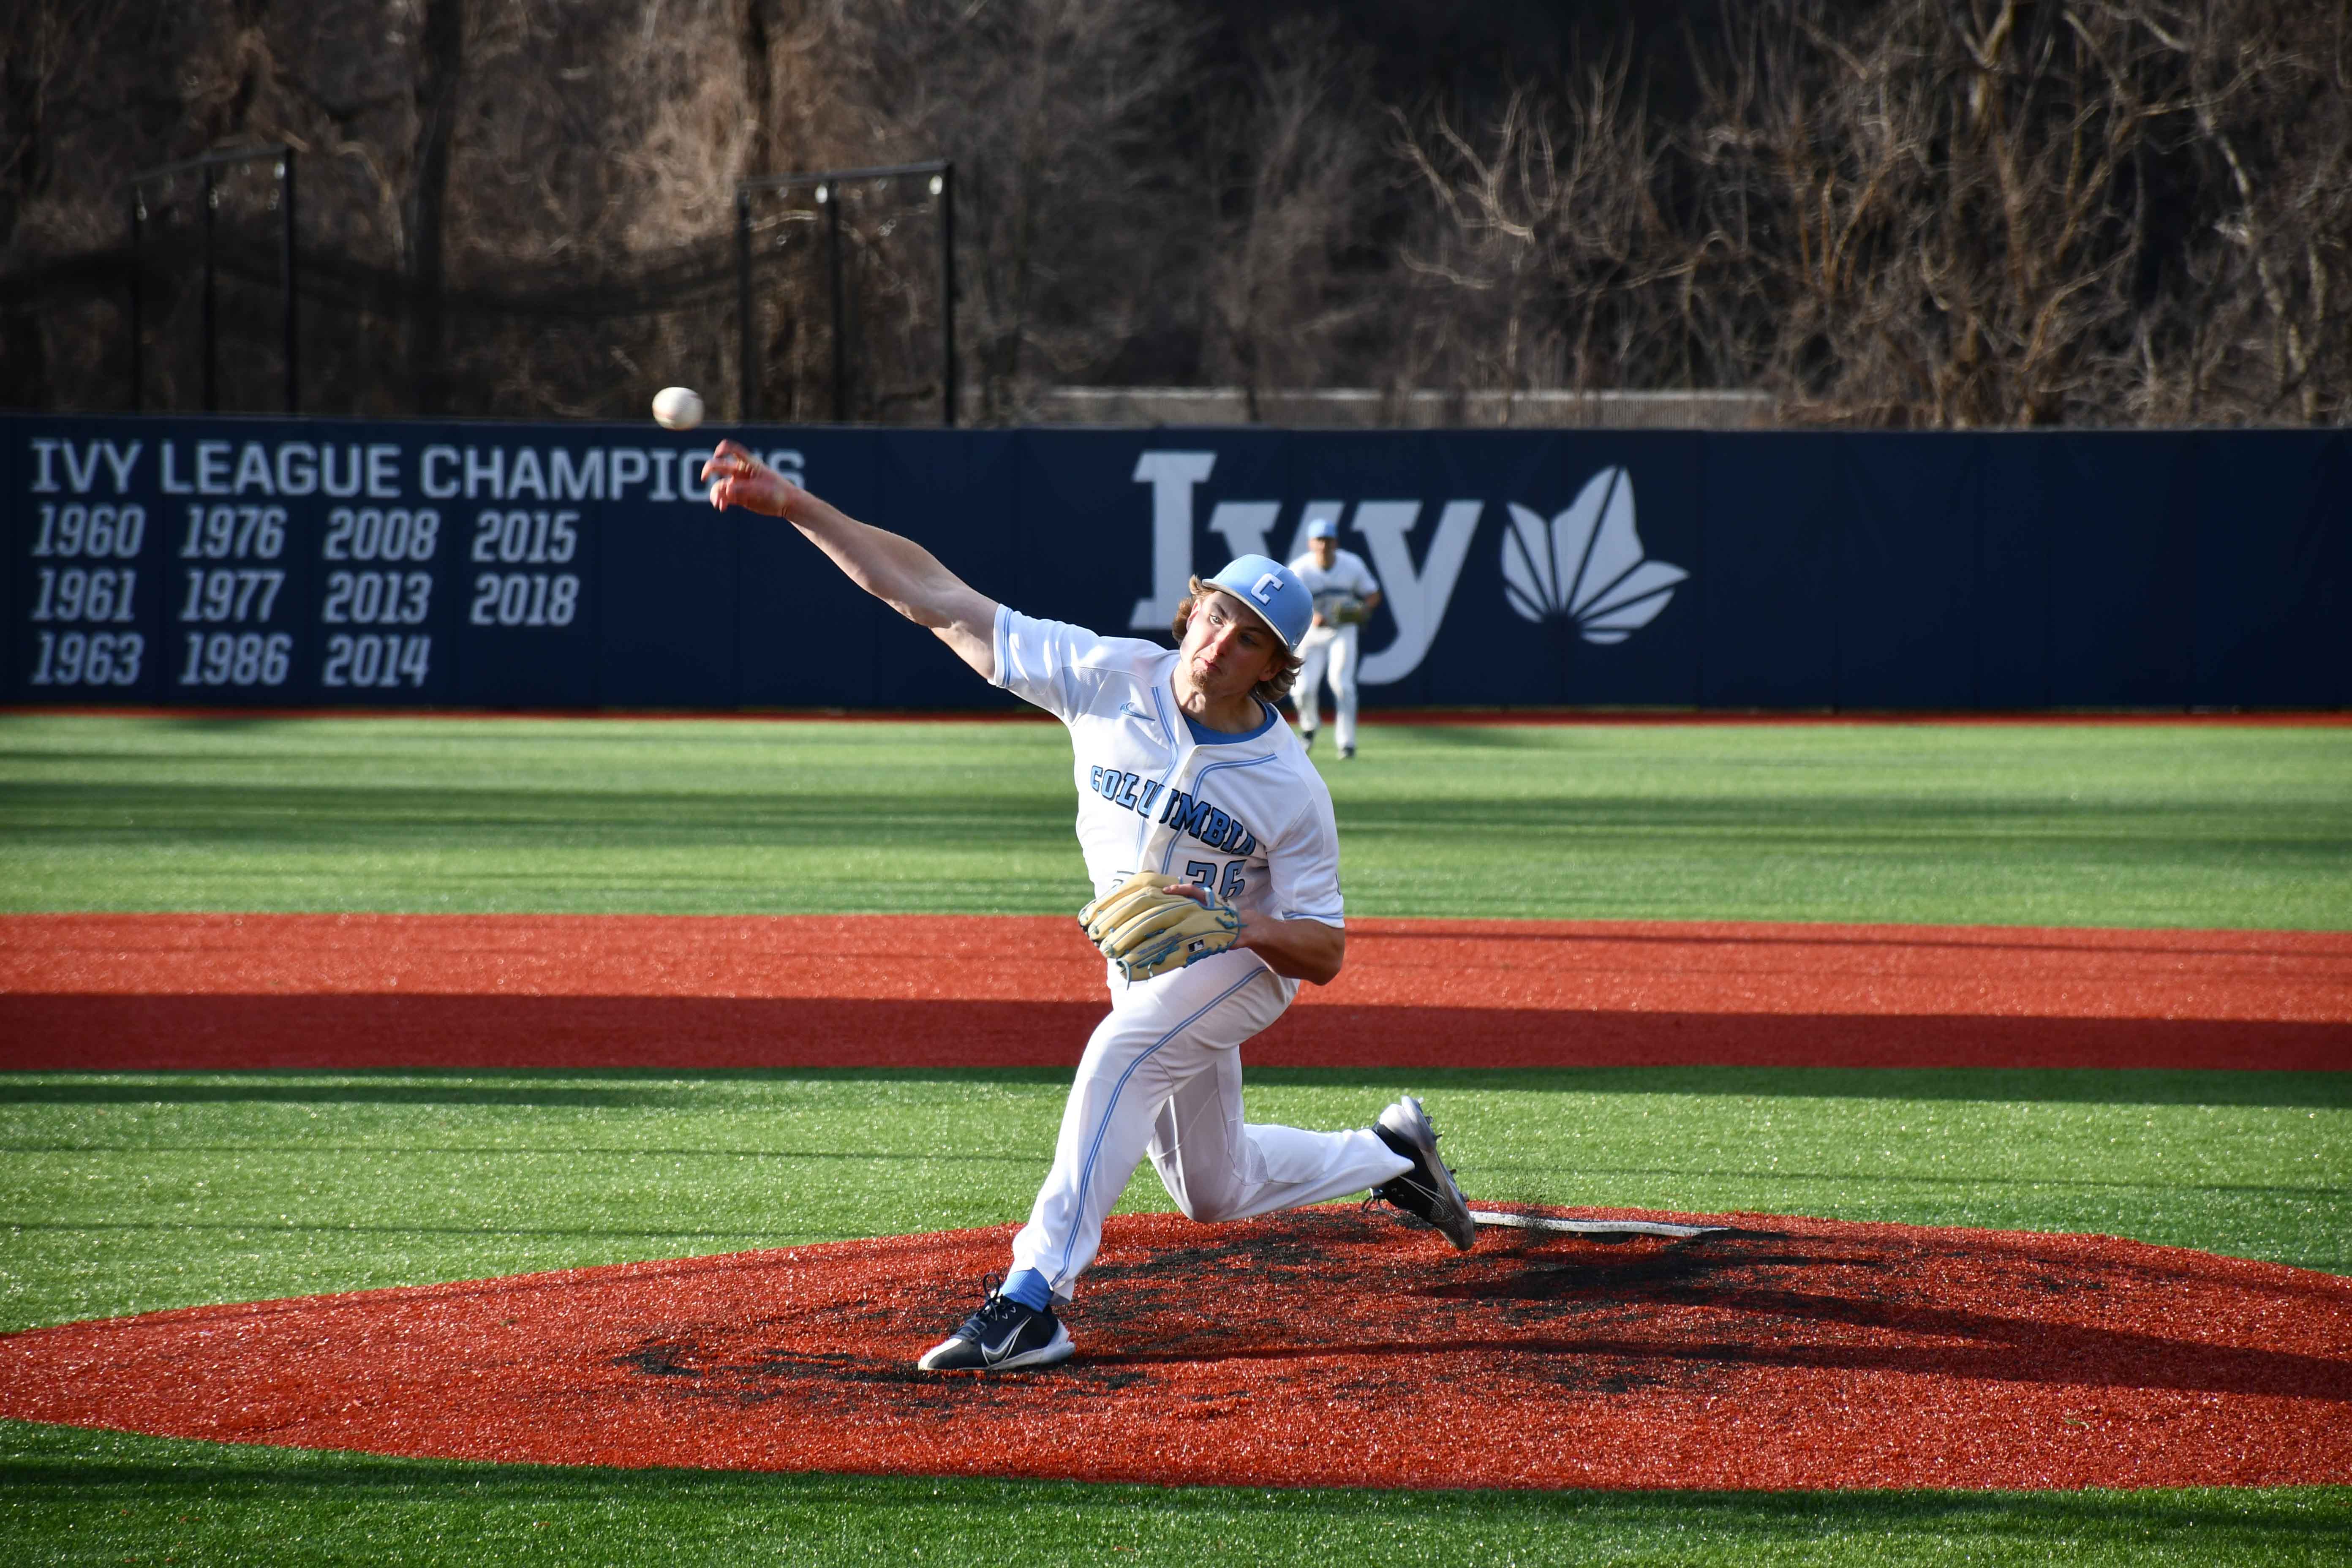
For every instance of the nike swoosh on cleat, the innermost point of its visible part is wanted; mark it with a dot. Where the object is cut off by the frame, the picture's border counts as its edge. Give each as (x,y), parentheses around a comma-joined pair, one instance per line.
(992,1353)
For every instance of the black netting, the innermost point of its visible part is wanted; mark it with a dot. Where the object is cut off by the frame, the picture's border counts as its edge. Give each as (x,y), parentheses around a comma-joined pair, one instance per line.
(867,253)
(573,339)
(211,259)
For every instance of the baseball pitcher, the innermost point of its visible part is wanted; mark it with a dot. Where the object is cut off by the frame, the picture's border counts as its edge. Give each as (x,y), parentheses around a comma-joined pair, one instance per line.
(1210,842)
(1345,593)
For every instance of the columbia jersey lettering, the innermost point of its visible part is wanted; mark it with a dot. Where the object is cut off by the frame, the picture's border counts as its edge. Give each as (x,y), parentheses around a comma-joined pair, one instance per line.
(1250,818)
(1347,578)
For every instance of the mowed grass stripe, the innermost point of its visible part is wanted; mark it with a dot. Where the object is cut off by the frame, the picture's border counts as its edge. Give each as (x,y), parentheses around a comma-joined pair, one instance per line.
(2155,825)
(72,1496)
(132,1193)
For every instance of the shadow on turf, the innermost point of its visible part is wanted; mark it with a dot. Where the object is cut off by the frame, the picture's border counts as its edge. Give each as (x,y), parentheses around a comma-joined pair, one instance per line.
(2084,1085)
(283,817)
(114,1033)
(276,1090)
(659,1087)
(1500,1172)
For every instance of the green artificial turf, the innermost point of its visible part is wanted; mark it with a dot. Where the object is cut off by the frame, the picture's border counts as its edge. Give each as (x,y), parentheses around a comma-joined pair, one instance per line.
(120,1193)
(94,1496)
(2135,824)
(124,1193)
(131,1192)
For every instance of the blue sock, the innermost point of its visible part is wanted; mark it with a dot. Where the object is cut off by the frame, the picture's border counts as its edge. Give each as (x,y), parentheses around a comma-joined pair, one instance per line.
(1027,1286)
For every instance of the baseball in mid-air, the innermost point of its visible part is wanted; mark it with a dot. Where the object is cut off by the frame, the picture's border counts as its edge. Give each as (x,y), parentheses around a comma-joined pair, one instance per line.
(678,408)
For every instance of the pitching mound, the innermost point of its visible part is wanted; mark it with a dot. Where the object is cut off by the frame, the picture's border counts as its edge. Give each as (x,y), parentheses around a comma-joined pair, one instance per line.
(1322,1347)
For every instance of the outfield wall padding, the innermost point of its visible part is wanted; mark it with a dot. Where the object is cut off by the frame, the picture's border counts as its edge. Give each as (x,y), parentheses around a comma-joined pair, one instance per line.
(286,562)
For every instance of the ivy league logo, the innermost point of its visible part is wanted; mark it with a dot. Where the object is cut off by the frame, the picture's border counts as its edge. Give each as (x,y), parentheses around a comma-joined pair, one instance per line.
(1584,566)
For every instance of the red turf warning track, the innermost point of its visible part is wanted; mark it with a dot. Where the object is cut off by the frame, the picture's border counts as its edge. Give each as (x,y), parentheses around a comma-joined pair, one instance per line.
(159,992)
(1321,1347)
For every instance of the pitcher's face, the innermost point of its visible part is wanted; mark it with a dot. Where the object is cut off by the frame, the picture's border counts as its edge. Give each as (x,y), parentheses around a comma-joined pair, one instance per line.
(1227,649)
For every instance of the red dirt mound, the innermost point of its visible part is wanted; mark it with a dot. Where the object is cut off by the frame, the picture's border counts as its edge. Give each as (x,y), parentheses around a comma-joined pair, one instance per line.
(1321,1347)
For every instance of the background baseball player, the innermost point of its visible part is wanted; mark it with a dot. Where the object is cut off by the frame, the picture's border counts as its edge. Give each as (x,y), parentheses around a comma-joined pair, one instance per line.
(1345,593)
(1210,841)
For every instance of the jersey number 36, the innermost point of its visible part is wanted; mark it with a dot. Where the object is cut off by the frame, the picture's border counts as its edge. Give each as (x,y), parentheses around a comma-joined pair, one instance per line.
(1203,874)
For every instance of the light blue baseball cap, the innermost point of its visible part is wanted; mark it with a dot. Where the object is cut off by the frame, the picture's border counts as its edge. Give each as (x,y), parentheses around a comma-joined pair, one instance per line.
(1322,528)
(1273,590)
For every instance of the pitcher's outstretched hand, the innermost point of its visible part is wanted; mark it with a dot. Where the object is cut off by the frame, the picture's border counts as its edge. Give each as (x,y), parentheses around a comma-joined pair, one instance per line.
(739,478)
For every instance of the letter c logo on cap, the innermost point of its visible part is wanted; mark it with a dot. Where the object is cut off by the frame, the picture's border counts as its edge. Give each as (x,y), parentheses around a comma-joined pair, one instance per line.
(1258,590)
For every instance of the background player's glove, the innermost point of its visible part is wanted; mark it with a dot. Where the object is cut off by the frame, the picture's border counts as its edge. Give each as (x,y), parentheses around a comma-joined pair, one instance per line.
(1340,608)
(1147,926)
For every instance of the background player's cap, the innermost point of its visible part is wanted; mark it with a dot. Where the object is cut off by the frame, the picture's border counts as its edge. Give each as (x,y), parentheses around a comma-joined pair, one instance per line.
(1322,528)
(1273,590)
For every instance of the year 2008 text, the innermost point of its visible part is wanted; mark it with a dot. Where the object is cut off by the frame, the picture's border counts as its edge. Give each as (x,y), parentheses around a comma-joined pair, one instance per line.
(232,606)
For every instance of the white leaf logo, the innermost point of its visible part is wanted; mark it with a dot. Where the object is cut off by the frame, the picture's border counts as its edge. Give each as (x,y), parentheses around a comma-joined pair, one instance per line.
(1586,563)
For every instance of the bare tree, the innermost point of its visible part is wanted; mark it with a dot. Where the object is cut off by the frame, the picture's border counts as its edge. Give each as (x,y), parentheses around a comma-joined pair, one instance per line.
(2272,87)
(1951,213)
(1056,112)
(1938,208)
(440,74)
(53,54)
(1290,175)
(1545,258)
(1928,212)
(1997,212)
(593,157)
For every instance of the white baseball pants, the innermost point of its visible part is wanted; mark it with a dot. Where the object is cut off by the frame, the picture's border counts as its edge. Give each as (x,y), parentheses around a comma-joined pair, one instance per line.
(1163,1075)
(1335,653)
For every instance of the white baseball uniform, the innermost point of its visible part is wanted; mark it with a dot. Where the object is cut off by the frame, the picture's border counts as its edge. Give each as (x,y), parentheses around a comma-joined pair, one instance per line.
(1247,815)
(1328,646)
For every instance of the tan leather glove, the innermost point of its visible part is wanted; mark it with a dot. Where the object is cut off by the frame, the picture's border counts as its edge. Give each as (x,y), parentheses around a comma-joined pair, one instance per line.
(1147,927)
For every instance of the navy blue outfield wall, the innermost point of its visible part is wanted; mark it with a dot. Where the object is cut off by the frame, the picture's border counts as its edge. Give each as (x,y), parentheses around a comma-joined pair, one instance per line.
(305,563)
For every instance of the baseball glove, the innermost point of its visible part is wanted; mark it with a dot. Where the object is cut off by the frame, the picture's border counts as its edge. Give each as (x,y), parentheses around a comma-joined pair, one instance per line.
(1147,927)
(1341,609)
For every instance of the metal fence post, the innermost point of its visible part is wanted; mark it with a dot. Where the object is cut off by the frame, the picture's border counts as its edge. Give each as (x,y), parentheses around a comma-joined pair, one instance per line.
(211,378)
(746,383)
(138,264)
(293,338)
(829,185)
(948,292)
(206,169)
(840,344)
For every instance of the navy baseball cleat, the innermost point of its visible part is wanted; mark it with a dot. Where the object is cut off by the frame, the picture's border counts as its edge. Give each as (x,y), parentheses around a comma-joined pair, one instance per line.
(1002,1336)
(1426,1191)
